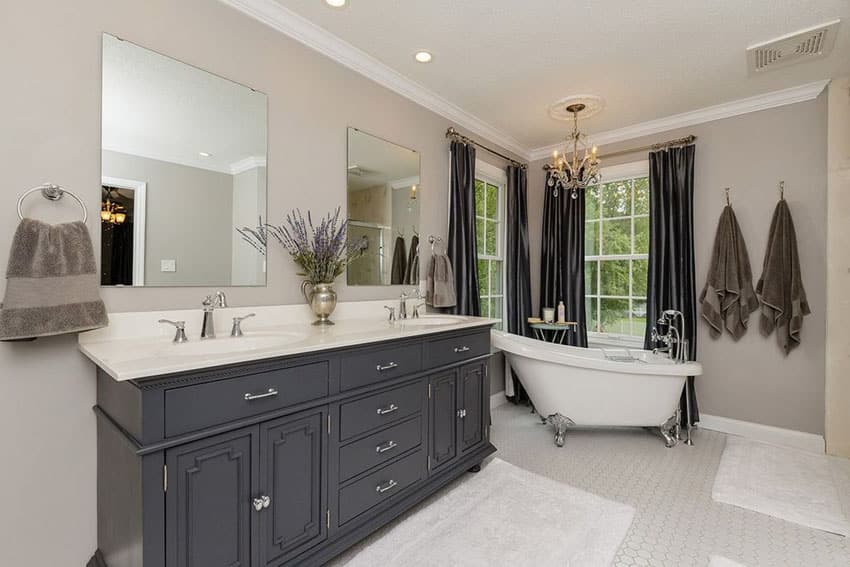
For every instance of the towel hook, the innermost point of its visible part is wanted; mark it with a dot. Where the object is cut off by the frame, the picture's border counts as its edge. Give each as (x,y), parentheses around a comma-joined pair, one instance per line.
(727,197)
(782,190)
(434,240)
(51,192)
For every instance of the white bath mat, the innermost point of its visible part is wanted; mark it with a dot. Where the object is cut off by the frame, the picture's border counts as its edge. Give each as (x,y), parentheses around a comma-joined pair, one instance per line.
(720,561)
(505,515)
(790,484)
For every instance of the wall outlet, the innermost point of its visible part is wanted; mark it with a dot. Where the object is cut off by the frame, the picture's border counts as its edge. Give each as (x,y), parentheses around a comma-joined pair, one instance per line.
(168,265)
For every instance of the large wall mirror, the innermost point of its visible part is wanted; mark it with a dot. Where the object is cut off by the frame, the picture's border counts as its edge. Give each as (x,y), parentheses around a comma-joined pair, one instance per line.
(383,210)
(183,167)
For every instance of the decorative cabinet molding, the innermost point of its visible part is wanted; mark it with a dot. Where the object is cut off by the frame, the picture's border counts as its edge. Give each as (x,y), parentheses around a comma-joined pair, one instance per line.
(195,469)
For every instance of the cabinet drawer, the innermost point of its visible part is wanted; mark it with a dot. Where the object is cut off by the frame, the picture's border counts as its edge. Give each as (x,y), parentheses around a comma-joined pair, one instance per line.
(364,368)
(194,407)
(379,448)
(456,349)
(379,486)
(380,409)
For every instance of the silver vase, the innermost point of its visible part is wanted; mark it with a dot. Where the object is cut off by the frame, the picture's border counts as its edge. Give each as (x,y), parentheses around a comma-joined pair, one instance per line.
(322,300)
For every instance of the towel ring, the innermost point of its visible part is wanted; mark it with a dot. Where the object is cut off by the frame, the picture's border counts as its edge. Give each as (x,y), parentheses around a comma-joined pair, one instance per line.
(51,192)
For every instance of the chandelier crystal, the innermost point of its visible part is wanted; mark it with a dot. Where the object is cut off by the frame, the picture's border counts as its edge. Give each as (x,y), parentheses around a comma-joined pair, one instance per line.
(578,173)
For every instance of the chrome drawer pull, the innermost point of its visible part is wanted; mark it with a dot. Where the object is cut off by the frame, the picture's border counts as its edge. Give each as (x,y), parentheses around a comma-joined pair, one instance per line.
(389,409)
(386,447)
(271,393)
(461,349)
(388,366)
(388,486)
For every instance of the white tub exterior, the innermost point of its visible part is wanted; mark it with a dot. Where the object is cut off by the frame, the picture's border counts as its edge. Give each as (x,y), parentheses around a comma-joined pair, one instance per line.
(580,384)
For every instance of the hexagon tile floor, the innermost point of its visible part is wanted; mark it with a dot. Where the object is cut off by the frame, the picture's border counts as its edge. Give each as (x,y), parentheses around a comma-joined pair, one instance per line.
(677,523)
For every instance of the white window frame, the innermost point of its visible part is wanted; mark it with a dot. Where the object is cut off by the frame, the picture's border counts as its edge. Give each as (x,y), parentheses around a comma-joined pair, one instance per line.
(494,176)
(613,174)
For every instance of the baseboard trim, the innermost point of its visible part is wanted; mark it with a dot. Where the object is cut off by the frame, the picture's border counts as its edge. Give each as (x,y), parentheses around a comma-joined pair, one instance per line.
(765,433)
(498,399)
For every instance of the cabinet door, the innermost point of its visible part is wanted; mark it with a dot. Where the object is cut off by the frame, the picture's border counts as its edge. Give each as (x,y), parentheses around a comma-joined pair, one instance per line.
(292,453)
(473,388)
(208,501)
(442,419)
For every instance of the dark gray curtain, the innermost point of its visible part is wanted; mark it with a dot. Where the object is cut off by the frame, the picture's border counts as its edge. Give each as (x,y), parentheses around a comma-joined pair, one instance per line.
(671,282)
(517,265)
(461,247)
(562,258)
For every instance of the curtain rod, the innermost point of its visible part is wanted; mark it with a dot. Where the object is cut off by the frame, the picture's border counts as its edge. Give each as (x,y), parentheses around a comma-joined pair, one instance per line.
(649,147)
(454,134)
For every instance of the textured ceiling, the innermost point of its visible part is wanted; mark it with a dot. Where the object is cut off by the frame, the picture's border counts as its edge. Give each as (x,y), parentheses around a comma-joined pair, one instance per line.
(506,61)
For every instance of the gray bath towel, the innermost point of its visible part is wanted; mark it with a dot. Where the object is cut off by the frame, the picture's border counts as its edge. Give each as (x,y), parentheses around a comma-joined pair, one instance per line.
(440,282)
(780,288)
(51,282)
(728,297)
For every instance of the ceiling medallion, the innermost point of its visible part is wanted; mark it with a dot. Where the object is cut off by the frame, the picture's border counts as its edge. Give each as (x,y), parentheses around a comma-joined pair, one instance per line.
(579,172)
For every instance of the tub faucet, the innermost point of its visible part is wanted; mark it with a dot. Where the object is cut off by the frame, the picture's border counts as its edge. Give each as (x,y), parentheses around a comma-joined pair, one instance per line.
(675,346)
(210,303)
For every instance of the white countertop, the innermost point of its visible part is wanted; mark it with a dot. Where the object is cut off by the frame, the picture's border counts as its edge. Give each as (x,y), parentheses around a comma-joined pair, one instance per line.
(136,346)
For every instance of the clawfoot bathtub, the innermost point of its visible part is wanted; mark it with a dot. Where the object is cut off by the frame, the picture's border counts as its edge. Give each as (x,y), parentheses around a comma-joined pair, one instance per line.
(580,386)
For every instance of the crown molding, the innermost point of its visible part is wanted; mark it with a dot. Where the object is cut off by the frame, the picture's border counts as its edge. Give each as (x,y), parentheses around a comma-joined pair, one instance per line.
(304,31)
(765,101)
(248,163)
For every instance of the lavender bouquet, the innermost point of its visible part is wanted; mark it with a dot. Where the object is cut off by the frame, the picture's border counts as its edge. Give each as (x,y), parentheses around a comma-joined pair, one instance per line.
(321,251)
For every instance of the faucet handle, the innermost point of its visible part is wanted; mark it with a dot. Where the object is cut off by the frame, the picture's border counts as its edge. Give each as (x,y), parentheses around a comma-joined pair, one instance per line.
(180,330)
(220,299)
(236,330)
(391,316)
(416,310)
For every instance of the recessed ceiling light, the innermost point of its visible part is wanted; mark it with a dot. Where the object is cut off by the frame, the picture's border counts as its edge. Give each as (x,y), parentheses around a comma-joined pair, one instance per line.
(423,56)
(336,3)
(204,154)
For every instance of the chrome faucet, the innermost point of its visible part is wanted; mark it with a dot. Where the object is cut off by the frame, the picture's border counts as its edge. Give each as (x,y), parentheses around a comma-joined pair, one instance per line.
(402,304)
(674,341)
(675,345)
(210,303)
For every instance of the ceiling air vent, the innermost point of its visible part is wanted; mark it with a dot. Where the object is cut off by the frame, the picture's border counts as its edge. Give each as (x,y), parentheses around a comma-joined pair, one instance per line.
(804,45)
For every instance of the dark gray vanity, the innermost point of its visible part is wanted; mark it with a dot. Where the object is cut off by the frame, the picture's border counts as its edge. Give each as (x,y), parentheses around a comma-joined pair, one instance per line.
(286,461)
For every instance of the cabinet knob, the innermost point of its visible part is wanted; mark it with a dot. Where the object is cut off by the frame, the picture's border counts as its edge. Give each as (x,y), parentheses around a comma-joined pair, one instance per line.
(261,503)
(461,413)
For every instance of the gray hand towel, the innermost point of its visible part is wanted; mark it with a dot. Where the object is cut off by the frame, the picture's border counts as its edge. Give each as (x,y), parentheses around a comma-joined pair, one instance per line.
(51,282)
(399,262)
(440,282)
(728,294)
(780,288)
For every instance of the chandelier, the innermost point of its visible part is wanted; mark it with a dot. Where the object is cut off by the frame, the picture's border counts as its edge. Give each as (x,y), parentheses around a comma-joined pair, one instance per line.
(112,213)
(577,173)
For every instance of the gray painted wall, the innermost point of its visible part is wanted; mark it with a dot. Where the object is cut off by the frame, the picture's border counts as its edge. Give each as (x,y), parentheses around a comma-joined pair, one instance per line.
(750,380)
(47,387)
(249,203)
(188,218)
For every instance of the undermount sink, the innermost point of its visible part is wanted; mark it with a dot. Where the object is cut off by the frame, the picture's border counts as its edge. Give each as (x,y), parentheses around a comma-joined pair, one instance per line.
(226,345)
(431,321)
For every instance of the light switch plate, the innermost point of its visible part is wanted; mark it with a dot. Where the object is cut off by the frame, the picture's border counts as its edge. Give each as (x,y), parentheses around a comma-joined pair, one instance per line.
(168,265)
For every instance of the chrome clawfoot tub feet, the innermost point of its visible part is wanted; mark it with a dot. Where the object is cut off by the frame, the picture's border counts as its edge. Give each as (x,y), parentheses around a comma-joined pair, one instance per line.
(561,424)
(670,430)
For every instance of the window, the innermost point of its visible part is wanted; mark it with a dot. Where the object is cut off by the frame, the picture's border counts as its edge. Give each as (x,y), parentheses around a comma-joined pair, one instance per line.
(617,251)
(489,229)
